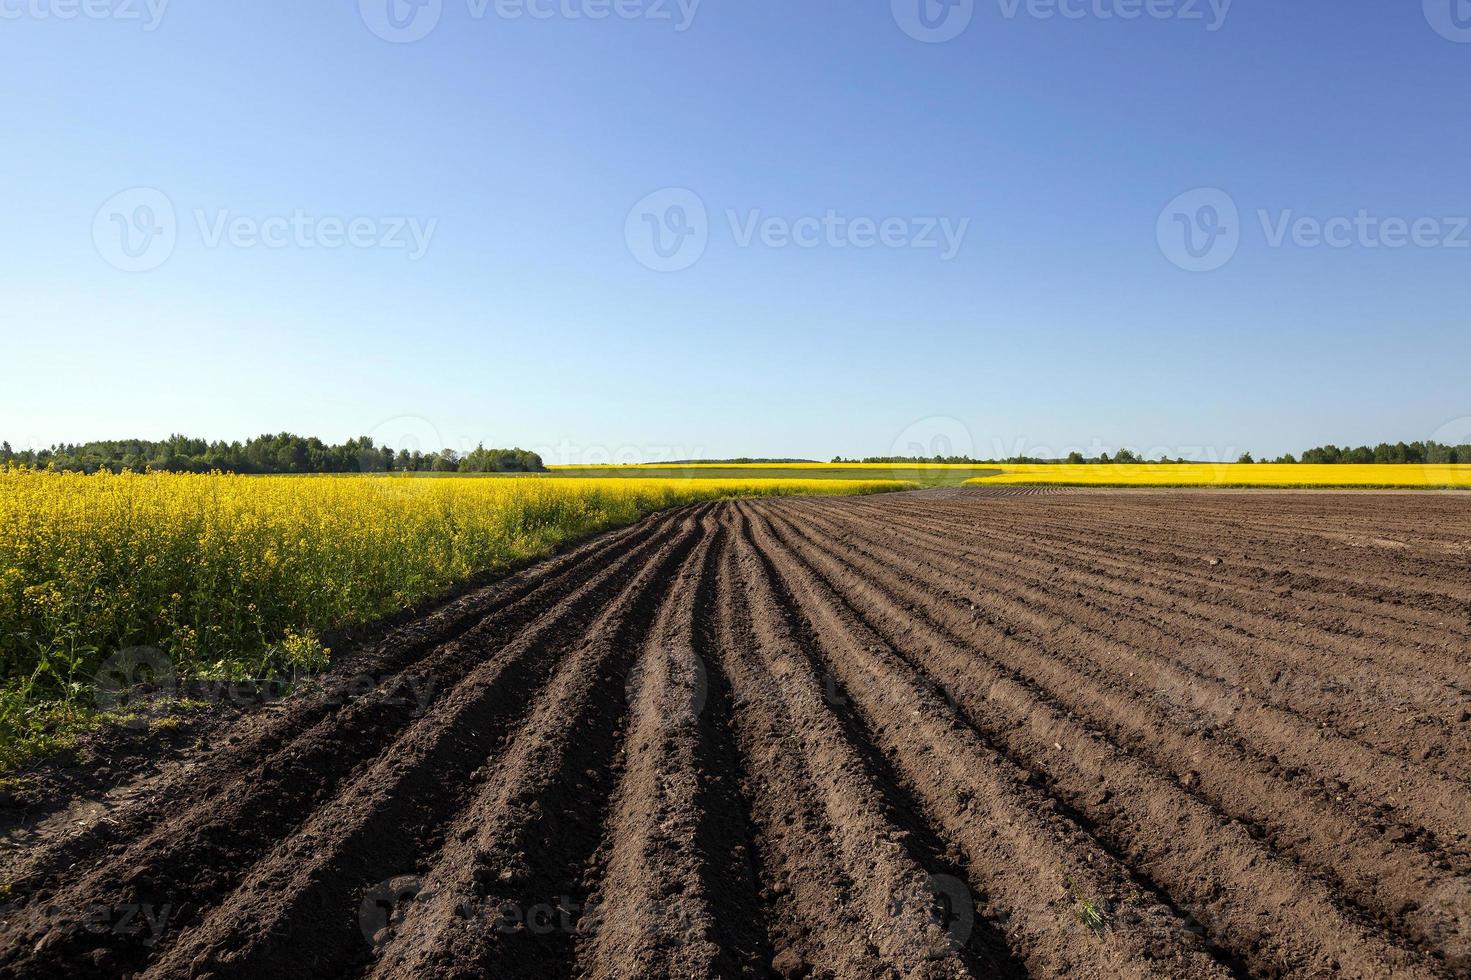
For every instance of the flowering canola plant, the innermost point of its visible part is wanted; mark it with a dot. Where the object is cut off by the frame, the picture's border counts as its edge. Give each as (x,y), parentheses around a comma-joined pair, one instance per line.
(1278,475)
(236,576)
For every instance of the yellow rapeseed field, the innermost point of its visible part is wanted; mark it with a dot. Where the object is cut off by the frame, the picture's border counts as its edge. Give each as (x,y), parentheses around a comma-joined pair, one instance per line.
(835,467)
(1373,475)
(237,576)
(1282,475)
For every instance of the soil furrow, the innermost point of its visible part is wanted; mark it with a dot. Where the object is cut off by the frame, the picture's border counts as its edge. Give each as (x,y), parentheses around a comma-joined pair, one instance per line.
(1256,607)
(380,677)
(1125,804)
(964,909)
(1048,877)
(950,733)
(298,909)
(1384,879)
(1434,803)
(196,857)
(1152,671)
(508,890)
(845,894)
(1248,565)
(1332,681)
(654,909)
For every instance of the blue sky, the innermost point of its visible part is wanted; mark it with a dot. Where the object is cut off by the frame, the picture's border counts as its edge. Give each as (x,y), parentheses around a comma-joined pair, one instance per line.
(1055,149)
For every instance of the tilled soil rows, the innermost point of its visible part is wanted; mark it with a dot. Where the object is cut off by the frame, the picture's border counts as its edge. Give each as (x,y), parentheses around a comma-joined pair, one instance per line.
(940,734)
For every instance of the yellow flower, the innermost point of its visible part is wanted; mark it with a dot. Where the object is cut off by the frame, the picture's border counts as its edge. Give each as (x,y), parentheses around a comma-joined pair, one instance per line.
(216,569)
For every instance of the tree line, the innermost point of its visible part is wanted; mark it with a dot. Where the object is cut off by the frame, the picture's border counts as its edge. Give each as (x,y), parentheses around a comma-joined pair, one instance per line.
(279,454)
(1400,452)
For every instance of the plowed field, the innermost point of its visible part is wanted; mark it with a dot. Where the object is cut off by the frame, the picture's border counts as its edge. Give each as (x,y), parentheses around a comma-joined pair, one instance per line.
(940,734)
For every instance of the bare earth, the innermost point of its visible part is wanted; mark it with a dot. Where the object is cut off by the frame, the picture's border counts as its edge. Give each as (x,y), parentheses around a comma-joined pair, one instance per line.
(942,734)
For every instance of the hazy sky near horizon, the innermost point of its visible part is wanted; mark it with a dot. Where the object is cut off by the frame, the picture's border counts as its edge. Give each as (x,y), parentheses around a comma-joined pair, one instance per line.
(641,229)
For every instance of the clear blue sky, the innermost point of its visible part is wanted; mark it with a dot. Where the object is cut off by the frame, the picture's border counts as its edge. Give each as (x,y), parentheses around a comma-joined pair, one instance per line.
(520,145)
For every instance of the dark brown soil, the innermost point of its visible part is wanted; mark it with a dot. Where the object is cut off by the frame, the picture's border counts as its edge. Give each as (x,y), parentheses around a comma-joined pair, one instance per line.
(944,734)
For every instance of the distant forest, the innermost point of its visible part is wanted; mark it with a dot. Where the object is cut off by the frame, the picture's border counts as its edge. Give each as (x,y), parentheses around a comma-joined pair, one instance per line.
(283,453)
(288,453)
(1400,452)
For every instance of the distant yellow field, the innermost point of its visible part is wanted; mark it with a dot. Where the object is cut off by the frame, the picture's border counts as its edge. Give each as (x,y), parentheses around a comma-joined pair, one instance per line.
(770,466)
(1413,476)
(920,474)
(1417,476)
